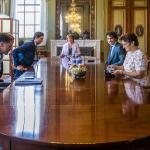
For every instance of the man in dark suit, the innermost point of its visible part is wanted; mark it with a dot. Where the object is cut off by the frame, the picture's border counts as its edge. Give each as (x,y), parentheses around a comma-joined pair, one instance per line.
(116,54)
(6,44)
(26,54)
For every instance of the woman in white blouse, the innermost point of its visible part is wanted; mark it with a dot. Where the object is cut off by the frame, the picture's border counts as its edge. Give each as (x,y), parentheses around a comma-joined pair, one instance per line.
(135,64)
(70,48)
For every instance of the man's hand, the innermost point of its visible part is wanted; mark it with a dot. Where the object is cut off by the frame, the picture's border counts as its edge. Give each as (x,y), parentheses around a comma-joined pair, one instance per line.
(21,68)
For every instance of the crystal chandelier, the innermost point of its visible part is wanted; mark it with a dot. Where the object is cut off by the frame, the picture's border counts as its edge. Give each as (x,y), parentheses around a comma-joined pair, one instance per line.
(73,18)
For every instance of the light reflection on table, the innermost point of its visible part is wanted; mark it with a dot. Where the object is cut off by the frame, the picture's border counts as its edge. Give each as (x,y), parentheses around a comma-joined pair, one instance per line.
(93,110)
(28,111)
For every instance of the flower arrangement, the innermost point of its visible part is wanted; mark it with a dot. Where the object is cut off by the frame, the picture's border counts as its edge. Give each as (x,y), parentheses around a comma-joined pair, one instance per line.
(78,71)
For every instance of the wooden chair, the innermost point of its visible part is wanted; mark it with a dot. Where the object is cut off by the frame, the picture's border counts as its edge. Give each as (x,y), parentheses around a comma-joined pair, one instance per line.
(148,66)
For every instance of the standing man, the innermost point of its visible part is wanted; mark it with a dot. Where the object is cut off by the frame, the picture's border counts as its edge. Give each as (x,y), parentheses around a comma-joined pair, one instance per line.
(26,54)
(116,54)
(6,44)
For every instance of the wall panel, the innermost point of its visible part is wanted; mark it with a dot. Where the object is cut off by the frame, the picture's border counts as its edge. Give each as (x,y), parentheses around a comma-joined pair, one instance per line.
(119,19)
(140,21)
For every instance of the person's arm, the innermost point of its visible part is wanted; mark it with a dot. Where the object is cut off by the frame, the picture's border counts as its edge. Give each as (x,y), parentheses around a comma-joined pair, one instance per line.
(134,74)
(62,55)
(15,57)
(78,49)
(17,63)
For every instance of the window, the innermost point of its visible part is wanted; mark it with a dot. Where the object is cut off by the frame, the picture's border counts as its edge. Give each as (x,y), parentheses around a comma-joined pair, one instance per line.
(28,12)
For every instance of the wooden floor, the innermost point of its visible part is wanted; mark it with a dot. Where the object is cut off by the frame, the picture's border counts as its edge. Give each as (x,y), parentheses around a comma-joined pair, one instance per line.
(93,113)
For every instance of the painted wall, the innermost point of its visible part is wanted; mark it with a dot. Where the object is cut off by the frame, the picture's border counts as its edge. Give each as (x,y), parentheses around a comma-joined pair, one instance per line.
(101,20)
(101,23)
(101,12)
(51,5)
(5,8)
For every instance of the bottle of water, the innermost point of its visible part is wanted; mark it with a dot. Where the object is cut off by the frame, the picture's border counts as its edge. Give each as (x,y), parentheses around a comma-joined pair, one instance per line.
(78,60)
(73,59)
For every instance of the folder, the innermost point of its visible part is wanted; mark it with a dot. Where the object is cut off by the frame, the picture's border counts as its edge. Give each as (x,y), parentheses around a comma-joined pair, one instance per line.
(28,81)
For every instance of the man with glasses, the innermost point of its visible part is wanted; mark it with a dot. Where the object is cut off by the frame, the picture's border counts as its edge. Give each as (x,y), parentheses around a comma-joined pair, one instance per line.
(6,44)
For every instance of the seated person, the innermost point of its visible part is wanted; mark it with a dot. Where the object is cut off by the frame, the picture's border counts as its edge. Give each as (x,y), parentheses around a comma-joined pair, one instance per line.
(26,54)
(70,49)
(6,44)
(135,64)
(116,54)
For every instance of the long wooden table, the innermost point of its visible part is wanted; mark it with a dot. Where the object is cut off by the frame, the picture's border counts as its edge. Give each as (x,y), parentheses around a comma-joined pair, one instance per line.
(61,113)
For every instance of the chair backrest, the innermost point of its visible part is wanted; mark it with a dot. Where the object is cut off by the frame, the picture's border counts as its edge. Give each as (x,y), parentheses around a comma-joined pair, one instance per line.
(148,66)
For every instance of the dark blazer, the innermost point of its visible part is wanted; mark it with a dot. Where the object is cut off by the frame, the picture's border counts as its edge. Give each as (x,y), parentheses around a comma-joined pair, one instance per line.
(1,64)
(24,54)
(118,55)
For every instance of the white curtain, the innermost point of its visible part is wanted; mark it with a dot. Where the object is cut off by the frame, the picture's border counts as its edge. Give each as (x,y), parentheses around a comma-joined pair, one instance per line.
(12,8)
(44,20)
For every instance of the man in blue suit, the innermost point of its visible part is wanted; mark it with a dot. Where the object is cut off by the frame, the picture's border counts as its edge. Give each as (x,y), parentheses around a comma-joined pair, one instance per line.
(26,54)
(116,54)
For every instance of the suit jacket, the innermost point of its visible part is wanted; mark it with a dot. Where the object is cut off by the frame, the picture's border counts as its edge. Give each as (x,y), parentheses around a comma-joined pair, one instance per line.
(118,55)
(24,54)
(1,64)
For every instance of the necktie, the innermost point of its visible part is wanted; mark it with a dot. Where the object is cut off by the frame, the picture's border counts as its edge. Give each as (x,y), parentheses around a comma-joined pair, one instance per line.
(111,51)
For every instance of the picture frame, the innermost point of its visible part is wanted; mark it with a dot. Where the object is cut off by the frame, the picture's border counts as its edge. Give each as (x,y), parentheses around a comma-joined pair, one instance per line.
(118,30)
(139,30)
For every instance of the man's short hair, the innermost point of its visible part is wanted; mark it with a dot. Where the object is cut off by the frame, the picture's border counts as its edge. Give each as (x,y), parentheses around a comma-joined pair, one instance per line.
(6,37)
(112,34)
(38,34)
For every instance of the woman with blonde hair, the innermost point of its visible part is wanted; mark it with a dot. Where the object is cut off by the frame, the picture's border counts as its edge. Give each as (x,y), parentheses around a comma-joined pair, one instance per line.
(70,48)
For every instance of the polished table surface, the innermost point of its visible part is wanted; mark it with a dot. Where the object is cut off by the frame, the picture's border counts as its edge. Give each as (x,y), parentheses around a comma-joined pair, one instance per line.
(63,111)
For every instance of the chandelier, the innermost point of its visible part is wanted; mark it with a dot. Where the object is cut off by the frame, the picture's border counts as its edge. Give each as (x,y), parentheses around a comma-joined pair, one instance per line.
(73,18)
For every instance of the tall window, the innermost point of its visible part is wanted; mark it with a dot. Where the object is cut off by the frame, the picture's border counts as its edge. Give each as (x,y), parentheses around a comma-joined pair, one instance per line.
(28,12)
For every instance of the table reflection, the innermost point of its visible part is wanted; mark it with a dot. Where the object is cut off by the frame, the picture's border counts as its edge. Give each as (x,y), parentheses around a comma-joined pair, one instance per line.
(135,97)
(65,62)
(112,90)
(112,87)
(28,110)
